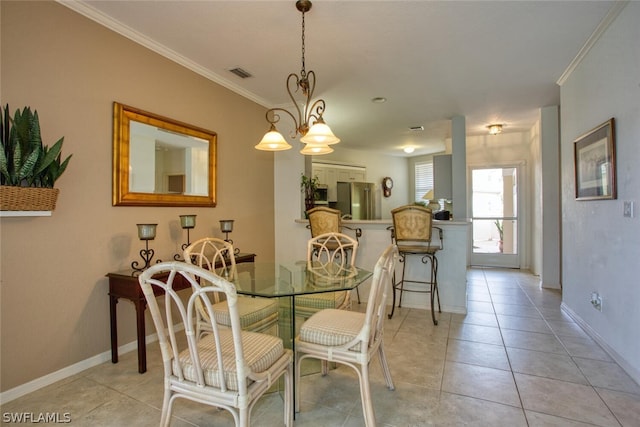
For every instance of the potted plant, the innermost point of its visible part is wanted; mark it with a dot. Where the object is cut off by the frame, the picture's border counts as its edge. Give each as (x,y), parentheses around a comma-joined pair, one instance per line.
(309,186)
(28,168)
(500,228)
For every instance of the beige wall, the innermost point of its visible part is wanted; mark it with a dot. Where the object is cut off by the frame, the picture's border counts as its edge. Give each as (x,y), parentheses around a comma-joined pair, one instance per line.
(54,304)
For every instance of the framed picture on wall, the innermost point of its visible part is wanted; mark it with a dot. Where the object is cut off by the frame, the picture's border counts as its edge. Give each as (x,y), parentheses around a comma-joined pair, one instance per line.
(595,163)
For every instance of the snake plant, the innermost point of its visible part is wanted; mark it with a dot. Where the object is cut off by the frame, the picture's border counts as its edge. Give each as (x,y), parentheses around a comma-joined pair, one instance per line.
(24,160)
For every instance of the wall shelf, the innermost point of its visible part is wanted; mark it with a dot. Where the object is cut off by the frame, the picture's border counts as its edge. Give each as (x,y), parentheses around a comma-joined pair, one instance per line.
(24,213)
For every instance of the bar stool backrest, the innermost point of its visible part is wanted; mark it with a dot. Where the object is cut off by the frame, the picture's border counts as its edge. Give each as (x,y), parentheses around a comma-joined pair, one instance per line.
(412,223)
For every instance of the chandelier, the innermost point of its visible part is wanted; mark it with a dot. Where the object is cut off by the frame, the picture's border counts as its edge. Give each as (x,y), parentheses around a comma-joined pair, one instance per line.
(317,137)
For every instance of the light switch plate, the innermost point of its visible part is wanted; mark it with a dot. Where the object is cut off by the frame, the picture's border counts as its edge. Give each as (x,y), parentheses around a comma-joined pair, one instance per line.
(628,209)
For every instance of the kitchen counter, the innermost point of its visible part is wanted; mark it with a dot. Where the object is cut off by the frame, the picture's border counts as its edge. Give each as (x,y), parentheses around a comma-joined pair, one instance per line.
(452,260)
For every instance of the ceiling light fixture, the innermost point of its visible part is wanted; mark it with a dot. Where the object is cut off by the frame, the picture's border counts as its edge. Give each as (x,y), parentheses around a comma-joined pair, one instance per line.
(495,129)
(408,150)
(318,136)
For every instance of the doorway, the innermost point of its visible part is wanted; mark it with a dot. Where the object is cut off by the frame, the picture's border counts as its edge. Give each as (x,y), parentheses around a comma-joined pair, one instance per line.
(494,217)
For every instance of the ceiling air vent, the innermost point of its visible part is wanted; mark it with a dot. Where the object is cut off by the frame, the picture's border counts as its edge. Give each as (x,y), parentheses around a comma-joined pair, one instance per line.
(240,72)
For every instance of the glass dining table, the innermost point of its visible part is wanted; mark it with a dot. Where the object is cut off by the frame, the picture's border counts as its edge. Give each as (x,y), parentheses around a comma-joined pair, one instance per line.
(288,280)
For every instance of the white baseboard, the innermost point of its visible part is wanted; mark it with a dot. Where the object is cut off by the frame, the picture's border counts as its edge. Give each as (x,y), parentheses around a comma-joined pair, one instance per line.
(630,370)
(63,373)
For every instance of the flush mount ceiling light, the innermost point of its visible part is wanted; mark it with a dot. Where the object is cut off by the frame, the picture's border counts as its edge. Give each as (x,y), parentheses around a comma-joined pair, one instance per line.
(408,150)
(318,135)
(495,129)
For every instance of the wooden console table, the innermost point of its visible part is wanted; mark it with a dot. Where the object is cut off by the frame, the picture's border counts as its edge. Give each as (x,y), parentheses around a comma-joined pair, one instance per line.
(124,284)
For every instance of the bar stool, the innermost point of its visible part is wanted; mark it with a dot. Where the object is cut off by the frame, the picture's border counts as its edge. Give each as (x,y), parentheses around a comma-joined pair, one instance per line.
(324,220)
(411,232)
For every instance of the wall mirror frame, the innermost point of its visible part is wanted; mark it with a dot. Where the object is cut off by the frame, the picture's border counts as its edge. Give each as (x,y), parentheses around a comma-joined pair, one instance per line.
(158,161)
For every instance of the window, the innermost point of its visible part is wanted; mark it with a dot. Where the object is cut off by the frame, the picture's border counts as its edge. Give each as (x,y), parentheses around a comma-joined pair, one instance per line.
(423,178)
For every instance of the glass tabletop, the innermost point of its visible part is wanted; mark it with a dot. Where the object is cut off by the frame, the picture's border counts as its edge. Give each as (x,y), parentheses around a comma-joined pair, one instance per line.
(281,279)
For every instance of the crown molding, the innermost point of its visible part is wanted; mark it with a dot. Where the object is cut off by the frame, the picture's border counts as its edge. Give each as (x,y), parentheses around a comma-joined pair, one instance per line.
(611,16)
(94,14)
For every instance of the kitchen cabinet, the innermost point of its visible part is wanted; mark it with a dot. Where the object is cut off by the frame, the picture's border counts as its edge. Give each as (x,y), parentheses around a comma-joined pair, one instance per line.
(330,174)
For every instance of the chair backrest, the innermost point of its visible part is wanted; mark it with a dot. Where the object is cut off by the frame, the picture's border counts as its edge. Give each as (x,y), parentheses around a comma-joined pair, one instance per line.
(412,223)
(332,248)
(164,276)
(376,304)
(324,220)
(210,252)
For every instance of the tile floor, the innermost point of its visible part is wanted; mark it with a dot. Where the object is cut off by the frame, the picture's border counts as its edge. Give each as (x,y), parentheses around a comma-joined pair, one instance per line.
(514,360)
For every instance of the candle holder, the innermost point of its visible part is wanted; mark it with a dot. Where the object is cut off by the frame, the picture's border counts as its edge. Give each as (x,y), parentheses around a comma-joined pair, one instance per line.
(187,222)
(226,226)
(146,232)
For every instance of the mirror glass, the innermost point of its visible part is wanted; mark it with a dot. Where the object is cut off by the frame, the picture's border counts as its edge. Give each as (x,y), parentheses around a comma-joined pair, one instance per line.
(159,161)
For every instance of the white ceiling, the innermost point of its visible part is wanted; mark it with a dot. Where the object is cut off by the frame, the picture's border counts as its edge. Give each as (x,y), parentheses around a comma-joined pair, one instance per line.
(490,61)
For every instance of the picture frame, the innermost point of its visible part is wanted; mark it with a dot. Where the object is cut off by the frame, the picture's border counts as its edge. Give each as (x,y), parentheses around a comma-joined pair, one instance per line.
(595,163)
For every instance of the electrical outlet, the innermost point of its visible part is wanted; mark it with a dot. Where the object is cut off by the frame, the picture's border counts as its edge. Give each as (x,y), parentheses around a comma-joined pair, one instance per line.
(627,211)
(596,301)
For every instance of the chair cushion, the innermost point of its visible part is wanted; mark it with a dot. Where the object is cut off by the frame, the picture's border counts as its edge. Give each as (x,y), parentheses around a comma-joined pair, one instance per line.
(417,248)
(261,351)
(322,300)
(252,311)
(332,327)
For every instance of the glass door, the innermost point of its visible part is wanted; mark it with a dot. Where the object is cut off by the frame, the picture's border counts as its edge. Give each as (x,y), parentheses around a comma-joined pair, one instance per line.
(494,217)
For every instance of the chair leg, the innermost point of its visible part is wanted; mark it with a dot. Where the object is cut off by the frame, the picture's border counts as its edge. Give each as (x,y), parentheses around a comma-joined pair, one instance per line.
(288,396)
(393,291)
(296,382)
(365,396)
(434,288)
(244,417)
(385,367)
(166,408)
(404,264)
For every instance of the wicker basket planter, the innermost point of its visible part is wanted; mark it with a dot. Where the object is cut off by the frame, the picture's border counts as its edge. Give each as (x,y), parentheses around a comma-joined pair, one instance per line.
(28,198)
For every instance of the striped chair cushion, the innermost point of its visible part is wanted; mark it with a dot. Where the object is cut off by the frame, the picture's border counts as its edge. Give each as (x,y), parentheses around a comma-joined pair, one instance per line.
(322,300)
(332,328)
(260,352)
(417,248)
(252,311)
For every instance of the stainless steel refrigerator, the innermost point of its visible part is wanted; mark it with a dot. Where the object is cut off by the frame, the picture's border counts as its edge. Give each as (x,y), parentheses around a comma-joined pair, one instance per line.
(356,200)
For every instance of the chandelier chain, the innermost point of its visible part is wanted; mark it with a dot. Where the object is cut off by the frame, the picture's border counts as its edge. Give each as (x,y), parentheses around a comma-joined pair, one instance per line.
(303,73)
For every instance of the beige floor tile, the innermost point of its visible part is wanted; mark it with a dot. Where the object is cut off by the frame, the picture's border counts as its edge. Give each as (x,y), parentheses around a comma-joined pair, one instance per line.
(517,310)
(536,419)
(548,365)
(477,333)
(567,329)
(455,410)
(563,399)
(520,299)
(480,306)
(532,341)
(607,375)
(475,353)
(585,348)
(625,406)
(483,319)
(527,324)
(490,384)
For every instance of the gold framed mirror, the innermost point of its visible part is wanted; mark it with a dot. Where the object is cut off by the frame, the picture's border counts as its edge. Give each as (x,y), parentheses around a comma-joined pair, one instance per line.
(159,161)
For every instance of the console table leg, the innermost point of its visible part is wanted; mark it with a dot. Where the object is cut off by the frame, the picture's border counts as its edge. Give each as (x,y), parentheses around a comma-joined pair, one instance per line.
(113,301)
(142,345)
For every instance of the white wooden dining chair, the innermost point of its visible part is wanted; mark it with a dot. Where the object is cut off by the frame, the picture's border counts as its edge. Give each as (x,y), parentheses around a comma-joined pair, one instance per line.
(228,368)
(333,253)
(351,338)
(256,314)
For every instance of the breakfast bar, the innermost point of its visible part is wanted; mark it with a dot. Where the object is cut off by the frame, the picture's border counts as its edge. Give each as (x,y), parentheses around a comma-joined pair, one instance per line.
(452,260)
